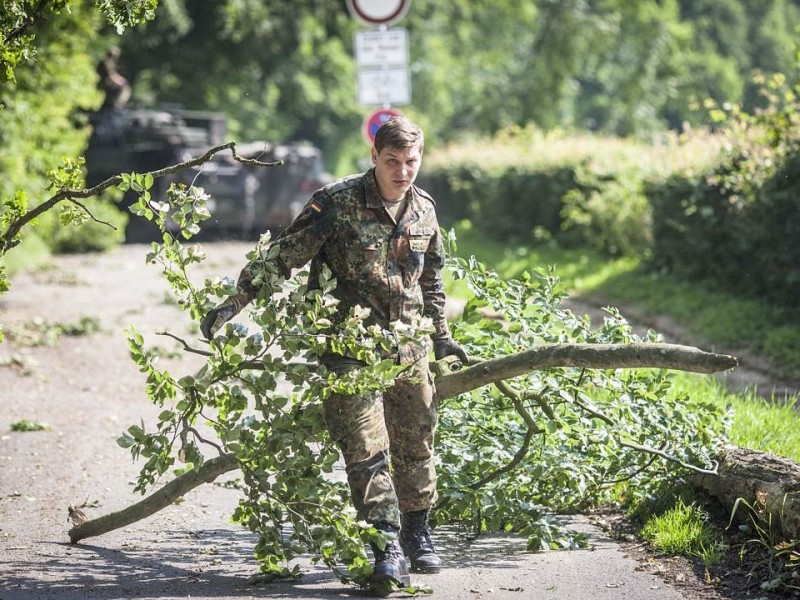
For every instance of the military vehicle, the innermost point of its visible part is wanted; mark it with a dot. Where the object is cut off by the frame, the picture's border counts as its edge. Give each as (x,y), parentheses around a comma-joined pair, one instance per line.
(245,200)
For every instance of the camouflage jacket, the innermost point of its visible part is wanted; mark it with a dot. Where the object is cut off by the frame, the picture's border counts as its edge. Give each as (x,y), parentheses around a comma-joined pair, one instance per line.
(394,269)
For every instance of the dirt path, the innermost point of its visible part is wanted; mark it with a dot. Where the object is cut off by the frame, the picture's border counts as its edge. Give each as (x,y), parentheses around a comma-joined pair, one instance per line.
(88,391)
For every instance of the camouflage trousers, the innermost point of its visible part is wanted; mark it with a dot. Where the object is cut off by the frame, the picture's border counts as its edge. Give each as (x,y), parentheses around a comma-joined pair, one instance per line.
(386,440)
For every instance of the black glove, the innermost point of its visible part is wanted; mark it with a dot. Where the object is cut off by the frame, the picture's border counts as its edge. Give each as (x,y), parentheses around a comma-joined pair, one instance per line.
(447,346)
(219,315)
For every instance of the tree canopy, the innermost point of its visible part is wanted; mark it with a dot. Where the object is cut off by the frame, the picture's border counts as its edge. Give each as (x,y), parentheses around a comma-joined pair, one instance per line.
(285,71)
(477,66)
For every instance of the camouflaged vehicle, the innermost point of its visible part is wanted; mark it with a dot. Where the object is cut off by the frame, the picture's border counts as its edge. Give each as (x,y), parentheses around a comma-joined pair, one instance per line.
(245,201)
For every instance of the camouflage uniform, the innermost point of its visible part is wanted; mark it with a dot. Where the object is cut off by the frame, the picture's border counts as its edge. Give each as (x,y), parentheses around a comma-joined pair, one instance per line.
(394,269)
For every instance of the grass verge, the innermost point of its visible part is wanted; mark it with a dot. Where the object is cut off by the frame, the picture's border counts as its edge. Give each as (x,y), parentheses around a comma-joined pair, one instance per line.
(685,529)
(769,425)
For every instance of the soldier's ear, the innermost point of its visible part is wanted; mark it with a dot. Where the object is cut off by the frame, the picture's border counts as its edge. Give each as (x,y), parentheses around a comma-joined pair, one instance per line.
(374,156)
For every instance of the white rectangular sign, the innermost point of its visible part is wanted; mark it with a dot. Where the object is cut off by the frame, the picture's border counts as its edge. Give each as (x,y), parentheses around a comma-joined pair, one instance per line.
(387,48)
(384,86)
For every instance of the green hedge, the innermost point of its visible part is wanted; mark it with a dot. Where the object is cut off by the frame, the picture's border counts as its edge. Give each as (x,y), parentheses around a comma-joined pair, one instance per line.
(578,190)
(706,230)
(681,204)
(567,204)
(515,203)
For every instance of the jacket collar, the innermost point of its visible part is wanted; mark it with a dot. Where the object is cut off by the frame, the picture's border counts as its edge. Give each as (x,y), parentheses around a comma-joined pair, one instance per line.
(416,204)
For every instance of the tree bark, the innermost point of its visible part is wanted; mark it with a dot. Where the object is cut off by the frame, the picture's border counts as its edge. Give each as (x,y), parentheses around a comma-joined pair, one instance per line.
(449,383)
(593,356)
(769,484)
(159,499)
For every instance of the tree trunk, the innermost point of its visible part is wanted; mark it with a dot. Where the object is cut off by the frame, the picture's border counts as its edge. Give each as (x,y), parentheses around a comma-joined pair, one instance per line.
(769,484)
(449,383)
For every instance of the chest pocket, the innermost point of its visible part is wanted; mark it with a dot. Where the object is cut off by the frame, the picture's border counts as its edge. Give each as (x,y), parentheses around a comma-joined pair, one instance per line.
(365,259)
(419,238)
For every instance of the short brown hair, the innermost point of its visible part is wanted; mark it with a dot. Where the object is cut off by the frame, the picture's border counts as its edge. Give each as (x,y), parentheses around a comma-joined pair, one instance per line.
(399,133)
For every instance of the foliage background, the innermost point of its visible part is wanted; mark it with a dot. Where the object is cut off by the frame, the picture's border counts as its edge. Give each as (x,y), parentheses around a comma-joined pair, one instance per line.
(616,67)
(285,71)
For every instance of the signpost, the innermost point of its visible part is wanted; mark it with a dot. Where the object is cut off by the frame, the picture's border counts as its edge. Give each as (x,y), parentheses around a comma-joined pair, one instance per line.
(382,58)
(384,86)
(381,47)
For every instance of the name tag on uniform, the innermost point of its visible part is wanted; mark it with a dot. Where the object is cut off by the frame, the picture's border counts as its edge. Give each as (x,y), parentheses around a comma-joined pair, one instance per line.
(420,238)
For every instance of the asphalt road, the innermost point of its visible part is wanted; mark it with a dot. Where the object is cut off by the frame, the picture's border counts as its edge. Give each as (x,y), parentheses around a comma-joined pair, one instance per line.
(88,391)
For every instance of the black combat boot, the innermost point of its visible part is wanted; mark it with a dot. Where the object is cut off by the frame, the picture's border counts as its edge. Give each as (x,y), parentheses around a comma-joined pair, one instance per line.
(415,538)
(391,568)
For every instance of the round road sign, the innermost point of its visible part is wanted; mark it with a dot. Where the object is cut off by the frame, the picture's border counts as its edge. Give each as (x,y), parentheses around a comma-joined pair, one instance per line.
(374,121)
(375,13)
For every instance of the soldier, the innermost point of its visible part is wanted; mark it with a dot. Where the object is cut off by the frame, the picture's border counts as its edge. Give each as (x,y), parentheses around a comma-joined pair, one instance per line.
(378,234)
(116,88)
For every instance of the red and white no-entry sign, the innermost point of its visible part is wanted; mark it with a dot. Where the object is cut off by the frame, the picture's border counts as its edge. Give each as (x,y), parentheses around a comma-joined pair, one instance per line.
(375,13)
(374,121)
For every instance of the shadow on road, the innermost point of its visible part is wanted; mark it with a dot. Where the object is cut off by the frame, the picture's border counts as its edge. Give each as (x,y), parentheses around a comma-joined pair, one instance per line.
(214,563)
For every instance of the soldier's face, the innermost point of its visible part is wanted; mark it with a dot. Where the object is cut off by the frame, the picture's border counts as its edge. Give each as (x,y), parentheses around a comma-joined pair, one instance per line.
(395,170)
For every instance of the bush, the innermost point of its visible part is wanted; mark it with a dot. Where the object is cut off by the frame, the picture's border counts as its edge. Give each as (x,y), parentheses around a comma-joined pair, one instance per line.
(736,225)
(613,218)
(516,203)
(579,190)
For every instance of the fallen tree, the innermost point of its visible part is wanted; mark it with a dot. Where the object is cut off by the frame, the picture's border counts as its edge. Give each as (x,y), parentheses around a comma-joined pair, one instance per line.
(758,485)
(451,380)
(550,415)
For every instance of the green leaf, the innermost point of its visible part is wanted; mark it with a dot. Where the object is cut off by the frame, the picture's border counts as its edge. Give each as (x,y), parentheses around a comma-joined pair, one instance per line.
(125,441)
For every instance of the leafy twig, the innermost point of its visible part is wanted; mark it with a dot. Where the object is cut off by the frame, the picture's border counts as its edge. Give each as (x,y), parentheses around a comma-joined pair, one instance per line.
(522,451)
(28,22)
(185,344)
(199,437)
(669,457)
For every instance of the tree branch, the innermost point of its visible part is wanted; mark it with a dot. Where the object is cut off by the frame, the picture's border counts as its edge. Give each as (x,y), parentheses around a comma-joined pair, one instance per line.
(669,457)
(596,356)
(532,430)
(451,383)
(89,213)
(159,499)
(185,344)
(28,22)
(7,239)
